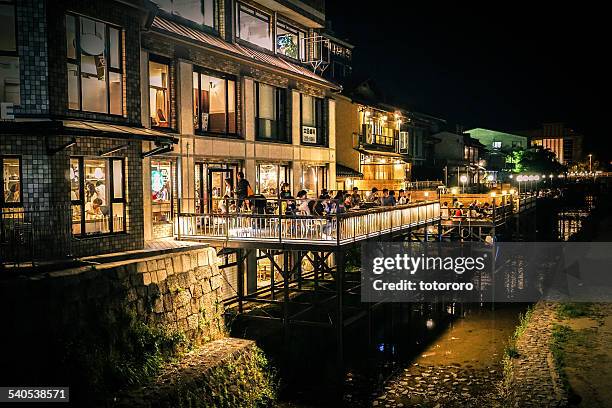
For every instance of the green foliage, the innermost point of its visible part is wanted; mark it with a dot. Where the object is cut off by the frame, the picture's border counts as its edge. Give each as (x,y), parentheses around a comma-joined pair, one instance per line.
(571,310)
(538,160)
(560,336)
(246,381)
(511,350)
(117,351)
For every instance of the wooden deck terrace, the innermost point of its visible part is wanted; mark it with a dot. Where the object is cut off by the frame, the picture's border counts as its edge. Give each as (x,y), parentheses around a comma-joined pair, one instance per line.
(497,217)
(245,229)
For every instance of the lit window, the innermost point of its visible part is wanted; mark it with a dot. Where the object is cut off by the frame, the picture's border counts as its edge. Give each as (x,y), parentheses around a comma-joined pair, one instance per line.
(214,104)
(159,95)
(497,145)
(94,66)
(161,191)
(9,62)
(97,193)
(199,11)
(270,112)
(10,180)
(254,26)
(289,41)
(314,179)
(312,120)
(270,178)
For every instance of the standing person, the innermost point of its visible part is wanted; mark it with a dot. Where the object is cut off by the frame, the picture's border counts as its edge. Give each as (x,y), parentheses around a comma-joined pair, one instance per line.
(90,192)
(285,193)
(101,191)
(242,190)
(287,204)
(355,197)
(228,187)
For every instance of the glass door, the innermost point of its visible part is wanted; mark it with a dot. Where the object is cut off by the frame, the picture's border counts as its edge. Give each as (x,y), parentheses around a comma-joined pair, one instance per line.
(220,185)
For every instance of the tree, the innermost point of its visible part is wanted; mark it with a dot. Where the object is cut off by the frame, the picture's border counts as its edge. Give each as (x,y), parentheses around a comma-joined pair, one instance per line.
(539,160)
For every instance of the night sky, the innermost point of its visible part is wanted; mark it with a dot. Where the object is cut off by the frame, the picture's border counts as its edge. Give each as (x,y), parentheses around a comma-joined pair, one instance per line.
(505,69)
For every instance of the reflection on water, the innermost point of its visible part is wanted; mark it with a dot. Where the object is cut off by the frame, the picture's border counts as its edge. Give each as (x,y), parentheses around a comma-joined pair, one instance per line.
(453,339)
(570,222)
(416,353)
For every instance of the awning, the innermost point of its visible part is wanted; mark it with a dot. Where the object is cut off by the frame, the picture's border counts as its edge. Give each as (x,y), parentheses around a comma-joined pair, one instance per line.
(83,128)
(201,38)
(343,171)
(86,128)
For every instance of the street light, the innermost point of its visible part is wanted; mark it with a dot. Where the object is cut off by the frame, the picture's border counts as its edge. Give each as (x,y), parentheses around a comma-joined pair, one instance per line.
(463,179)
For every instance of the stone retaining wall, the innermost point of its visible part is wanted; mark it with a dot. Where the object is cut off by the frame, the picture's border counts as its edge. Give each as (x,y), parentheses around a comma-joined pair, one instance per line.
(179,292)
(224,373)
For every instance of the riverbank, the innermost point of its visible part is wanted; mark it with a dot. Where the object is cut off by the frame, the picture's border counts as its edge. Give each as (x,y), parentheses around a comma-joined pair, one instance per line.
(582,348)
(531,375)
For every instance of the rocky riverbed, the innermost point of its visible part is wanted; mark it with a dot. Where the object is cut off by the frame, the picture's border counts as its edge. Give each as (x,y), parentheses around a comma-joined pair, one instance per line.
(463,367)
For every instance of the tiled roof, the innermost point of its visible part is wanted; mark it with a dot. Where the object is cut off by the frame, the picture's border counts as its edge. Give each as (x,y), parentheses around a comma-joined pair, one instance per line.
(344,171)
(172,27)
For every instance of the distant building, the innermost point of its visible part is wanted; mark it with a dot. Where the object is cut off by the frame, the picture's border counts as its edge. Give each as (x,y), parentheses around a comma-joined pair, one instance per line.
(499,147)
(379,145)
(564,142)
(459,155)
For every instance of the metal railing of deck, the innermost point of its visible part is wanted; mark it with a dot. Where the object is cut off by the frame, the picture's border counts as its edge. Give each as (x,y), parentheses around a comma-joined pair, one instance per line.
(330,228)
(496,211)
(31,235)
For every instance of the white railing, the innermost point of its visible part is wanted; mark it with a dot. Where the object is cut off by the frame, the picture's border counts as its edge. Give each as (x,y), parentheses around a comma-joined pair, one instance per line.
(339,228)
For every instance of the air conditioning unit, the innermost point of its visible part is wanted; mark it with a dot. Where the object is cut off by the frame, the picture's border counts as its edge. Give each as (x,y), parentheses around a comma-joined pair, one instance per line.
(309,134)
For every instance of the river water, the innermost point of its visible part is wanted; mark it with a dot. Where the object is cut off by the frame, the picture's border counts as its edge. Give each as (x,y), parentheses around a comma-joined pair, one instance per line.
(402,354)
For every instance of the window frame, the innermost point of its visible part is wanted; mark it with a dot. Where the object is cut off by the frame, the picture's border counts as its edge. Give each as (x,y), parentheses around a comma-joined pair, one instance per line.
(3,203)
(318,120)
(226,77)
(282,168)
(260,15)
(185,20)
(111,191)
(167,62)
(108,60)
(13,53)
(292,29)
(280,113)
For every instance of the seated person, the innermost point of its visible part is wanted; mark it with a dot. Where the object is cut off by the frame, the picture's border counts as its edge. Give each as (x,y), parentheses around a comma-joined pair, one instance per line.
(92,208)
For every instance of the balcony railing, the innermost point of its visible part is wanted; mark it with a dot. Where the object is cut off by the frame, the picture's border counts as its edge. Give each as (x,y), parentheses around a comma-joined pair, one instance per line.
(331,228)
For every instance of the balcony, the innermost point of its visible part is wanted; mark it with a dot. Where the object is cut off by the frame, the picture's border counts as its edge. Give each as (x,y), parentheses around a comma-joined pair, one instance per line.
(378,141)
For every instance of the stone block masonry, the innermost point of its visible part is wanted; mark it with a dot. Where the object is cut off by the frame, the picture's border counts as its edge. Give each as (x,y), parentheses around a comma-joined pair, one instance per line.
(178,292)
